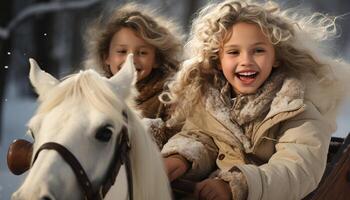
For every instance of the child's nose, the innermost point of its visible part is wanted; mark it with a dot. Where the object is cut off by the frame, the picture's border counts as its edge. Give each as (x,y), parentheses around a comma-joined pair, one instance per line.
(246,59)
(136,59)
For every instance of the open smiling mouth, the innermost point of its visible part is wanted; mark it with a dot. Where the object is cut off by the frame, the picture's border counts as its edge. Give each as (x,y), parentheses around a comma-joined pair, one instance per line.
(246,76)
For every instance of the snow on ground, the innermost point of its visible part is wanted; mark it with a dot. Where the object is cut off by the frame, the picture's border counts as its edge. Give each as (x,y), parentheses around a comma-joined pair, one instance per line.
(16,113)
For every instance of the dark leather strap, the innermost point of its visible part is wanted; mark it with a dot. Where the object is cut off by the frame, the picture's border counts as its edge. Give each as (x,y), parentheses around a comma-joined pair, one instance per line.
(126,159)
(73,163)
(120,156)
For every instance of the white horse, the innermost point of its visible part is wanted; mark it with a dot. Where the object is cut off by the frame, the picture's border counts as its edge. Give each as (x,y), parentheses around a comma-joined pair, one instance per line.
(86,114)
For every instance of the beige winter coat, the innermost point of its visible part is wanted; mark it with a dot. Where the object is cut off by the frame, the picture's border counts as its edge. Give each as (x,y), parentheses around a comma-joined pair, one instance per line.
(286,156)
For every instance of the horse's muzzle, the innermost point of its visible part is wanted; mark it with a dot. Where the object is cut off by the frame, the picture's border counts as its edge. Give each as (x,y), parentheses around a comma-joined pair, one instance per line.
(19,156)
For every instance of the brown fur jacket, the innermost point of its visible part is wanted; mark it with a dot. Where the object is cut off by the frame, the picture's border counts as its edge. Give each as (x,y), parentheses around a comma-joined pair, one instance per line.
(154,112)
(149,90)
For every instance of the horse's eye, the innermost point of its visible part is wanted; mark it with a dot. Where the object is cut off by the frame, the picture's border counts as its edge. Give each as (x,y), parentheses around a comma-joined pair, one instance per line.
(104,133)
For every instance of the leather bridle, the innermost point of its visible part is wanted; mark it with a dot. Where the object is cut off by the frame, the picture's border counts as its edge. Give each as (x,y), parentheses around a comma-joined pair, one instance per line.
(120,157)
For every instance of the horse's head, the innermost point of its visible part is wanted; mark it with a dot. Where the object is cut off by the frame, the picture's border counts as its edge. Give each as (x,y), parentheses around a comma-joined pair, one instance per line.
(84,114)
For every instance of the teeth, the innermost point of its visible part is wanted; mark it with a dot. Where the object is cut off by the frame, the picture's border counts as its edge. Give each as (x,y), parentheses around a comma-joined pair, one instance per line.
(247,73)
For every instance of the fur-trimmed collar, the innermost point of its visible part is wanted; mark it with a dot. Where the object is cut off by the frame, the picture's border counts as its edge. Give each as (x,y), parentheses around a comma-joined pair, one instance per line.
(278,94)
(151,85)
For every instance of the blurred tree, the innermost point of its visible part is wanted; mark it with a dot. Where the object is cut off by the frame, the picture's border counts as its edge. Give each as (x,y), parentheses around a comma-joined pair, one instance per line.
(38,30)
(22,46)
(5,14)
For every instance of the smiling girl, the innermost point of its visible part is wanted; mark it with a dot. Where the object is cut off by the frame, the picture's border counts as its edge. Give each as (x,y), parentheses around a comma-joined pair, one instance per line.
(247,58)
(259,100)
(157,48)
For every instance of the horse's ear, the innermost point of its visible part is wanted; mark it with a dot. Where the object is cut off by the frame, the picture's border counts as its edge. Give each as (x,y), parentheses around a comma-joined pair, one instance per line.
(124,81)
(41,81)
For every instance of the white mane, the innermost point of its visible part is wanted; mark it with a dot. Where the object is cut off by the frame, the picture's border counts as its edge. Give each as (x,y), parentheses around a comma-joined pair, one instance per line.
(85,86)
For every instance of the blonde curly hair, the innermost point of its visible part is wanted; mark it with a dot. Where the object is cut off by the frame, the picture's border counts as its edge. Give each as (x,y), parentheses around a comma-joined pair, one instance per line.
(295,38)
(156,30)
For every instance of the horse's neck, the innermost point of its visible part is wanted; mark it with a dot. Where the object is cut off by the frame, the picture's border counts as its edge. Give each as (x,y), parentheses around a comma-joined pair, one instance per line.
(149,178)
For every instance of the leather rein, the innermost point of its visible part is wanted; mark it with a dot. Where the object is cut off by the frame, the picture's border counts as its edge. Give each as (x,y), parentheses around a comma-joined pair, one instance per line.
(120,157)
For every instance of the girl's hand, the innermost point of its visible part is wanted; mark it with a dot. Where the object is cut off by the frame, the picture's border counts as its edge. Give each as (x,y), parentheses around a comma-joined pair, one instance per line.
(213,189)
(176,166)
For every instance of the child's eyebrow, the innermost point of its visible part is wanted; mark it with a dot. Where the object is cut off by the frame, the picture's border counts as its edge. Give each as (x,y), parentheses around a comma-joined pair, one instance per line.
(237,46)
(259,43)
(145,46)
(122,45)
(231,46)
(125,45)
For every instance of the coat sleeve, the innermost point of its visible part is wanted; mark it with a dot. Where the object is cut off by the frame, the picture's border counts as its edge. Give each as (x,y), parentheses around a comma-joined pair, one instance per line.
(197,147)
(297,166)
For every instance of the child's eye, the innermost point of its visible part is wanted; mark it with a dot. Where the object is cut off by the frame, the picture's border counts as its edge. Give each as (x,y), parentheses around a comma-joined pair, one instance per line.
(143,53)
(259,50)
(233,52)
(121,51)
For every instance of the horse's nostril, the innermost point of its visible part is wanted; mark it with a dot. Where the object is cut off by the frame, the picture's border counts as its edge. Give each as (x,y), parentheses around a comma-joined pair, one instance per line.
(45,198)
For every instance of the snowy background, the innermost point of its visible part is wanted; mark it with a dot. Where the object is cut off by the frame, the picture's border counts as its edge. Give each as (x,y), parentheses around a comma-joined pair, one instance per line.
(53,36)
